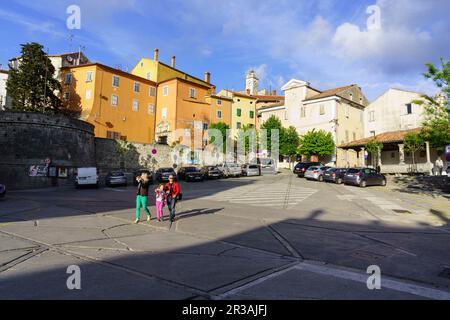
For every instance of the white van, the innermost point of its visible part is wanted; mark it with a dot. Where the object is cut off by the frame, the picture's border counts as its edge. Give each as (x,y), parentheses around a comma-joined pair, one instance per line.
(86,177)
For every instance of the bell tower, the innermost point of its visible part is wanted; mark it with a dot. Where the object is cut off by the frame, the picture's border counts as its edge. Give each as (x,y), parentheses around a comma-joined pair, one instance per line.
(251,83)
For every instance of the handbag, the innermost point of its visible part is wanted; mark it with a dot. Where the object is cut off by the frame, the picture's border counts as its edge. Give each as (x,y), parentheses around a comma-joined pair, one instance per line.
(180,197)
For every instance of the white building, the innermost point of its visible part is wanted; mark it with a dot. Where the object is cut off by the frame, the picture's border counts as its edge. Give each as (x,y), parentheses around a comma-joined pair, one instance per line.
(339,111)
(3,79)
(392,111)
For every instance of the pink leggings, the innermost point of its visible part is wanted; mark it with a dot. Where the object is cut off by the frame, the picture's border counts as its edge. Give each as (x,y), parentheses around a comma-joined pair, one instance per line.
(159,209)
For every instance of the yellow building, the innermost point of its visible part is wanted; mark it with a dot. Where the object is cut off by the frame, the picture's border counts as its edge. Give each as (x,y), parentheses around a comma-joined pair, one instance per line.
(243,111)
(157,71)
(184,106)
(120,105)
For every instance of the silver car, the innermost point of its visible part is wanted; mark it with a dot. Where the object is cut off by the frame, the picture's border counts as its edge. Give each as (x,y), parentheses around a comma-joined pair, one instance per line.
(315,173)
(250,170)
(116,178)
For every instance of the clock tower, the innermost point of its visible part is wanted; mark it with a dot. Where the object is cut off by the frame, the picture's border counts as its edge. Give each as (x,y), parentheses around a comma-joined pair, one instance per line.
(251,83)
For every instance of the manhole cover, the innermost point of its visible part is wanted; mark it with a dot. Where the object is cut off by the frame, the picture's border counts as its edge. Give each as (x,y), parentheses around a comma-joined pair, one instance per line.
(367,255)
(445,273)
(402,211)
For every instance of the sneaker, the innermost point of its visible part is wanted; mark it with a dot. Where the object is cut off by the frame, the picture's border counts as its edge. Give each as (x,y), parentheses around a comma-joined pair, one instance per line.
(136,221)
(149,218)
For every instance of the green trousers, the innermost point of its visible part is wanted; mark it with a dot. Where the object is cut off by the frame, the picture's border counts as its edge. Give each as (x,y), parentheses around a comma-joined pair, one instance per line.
(141,202)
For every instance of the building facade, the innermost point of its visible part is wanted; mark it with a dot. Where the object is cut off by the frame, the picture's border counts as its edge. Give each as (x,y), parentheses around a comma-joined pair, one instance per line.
(394,110)
(3,96)
(120,105)
(339,111)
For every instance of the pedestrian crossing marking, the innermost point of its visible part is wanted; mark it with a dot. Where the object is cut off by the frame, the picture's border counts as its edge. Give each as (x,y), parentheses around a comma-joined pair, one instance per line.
(274,195)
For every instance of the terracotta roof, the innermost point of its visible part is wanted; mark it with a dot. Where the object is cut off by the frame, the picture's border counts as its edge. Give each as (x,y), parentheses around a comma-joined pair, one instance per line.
(269,98)
(187,81)
(239,94)
(273,105)
(387,137)
(329,93)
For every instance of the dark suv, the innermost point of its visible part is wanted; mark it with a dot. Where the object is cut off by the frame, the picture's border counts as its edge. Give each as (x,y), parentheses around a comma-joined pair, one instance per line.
(191,174)
(364,177)
(335,175)
(301,168)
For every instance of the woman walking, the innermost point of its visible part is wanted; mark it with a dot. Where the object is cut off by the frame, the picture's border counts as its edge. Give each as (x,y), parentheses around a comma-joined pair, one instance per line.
(142,197)
(172,190)
(160,202)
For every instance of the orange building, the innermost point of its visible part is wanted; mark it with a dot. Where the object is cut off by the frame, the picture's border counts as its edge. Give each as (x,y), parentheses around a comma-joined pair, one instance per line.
(120,105)
(188,105)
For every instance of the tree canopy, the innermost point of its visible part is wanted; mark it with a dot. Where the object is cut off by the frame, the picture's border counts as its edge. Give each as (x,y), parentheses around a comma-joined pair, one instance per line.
(317,143)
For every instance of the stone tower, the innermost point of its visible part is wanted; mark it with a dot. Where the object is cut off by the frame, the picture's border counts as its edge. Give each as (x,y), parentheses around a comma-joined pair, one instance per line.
(251,83)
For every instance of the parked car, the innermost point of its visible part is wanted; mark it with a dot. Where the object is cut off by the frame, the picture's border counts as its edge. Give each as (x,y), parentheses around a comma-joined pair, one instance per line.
(364,177)
(315,173)
(448,170)
(335,175)
(301,168)
(138,173)
(191,174)
(163,174)
(211,172)
(2,190)
(230,169)
(116,178)
(268,166)
(249,170)
(86,177)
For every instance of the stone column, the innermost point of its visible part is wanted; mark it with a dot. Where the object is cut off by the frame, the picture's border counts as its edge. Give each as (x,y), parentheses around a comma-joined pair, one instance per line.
(429,164)
(401,154)
(379,158)
(362,156)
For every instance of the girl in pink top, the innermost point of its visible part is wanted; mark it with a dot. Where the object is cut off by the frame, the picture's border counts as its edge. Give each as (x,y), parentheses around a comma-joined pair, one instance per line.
(160,202)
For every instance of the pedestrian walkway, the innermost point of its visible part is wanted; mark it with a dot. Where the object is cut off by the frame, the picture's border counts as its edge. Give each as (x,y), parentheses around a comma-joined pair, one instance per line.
(272,195)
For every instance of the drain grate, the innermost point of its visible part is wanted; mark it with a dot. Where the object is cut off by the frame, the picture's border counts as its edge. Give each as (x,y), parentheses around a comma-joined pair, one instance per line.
(402,211)
(445,273)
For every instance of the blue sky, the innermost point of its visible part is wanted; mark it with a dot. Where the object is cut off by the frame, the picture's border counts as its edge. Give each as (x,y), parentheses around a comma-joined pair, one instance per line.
(324,42)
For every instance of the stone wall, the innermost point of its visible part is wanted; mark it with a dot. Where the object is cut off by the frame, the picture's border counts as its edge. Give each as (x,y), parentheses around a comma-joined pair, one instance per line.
(33,139)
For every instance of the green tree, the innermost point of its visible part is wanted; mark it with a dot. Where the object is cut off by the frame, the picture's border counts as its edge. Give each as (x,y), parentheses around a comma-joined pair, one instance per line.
(317,143)
(222,127)
(289,143)
(32,86)
(436,126)
(374,147)
(413,142)
(244,137)
(273,123)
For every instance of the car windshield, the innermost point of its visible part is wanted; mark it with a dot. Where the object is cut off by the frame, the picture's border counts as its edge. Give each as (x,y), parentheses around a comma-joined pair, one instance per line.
(253,167)
(312,168)
(353,171)
(331,170)
(117,174)
(167,170)
(190,169)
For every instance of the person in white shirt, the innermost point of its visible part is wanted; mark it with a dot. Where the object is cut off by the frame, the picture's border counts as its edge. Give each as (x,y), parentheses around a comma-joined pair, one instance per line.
(439,166)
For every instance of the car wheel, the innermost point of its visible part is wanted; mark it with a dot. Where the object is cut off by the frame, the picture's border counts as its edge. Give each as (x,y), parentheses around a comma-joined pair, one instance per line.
(339,181)
(320,179)
(383,183)
(363,184)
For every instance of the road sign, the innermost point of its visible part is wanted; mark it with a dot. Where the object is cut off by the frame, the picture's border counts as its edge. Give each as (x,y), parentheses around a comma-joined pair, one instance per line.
(447,152)
(154,152)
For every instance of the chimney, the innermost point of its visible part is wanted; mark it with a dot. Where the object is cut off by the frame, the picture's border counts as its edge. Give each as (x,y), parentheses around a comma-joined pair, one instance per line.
(156,55)
(173,62)
(274,92)
(208,77)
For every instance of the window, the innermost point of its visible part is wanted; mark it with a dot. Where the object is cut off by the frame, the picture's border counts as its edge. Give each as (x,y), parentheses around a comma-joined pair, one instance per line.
(322,109)
(219,102)
(371,116)
(151,109)
(67,96)
(165,91)
(114,100)
(135,105)
(238,125)
(89,76)
(137,87)
(164,113)
(372,133)
(302,112)
(205,126)
(252,114)
(116,81)
(239,112)
(219,114)
(251,125)
(68,78)
(88,94)
(409,108)
(192,93)
(149,76)
(152,92)
(113,135)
